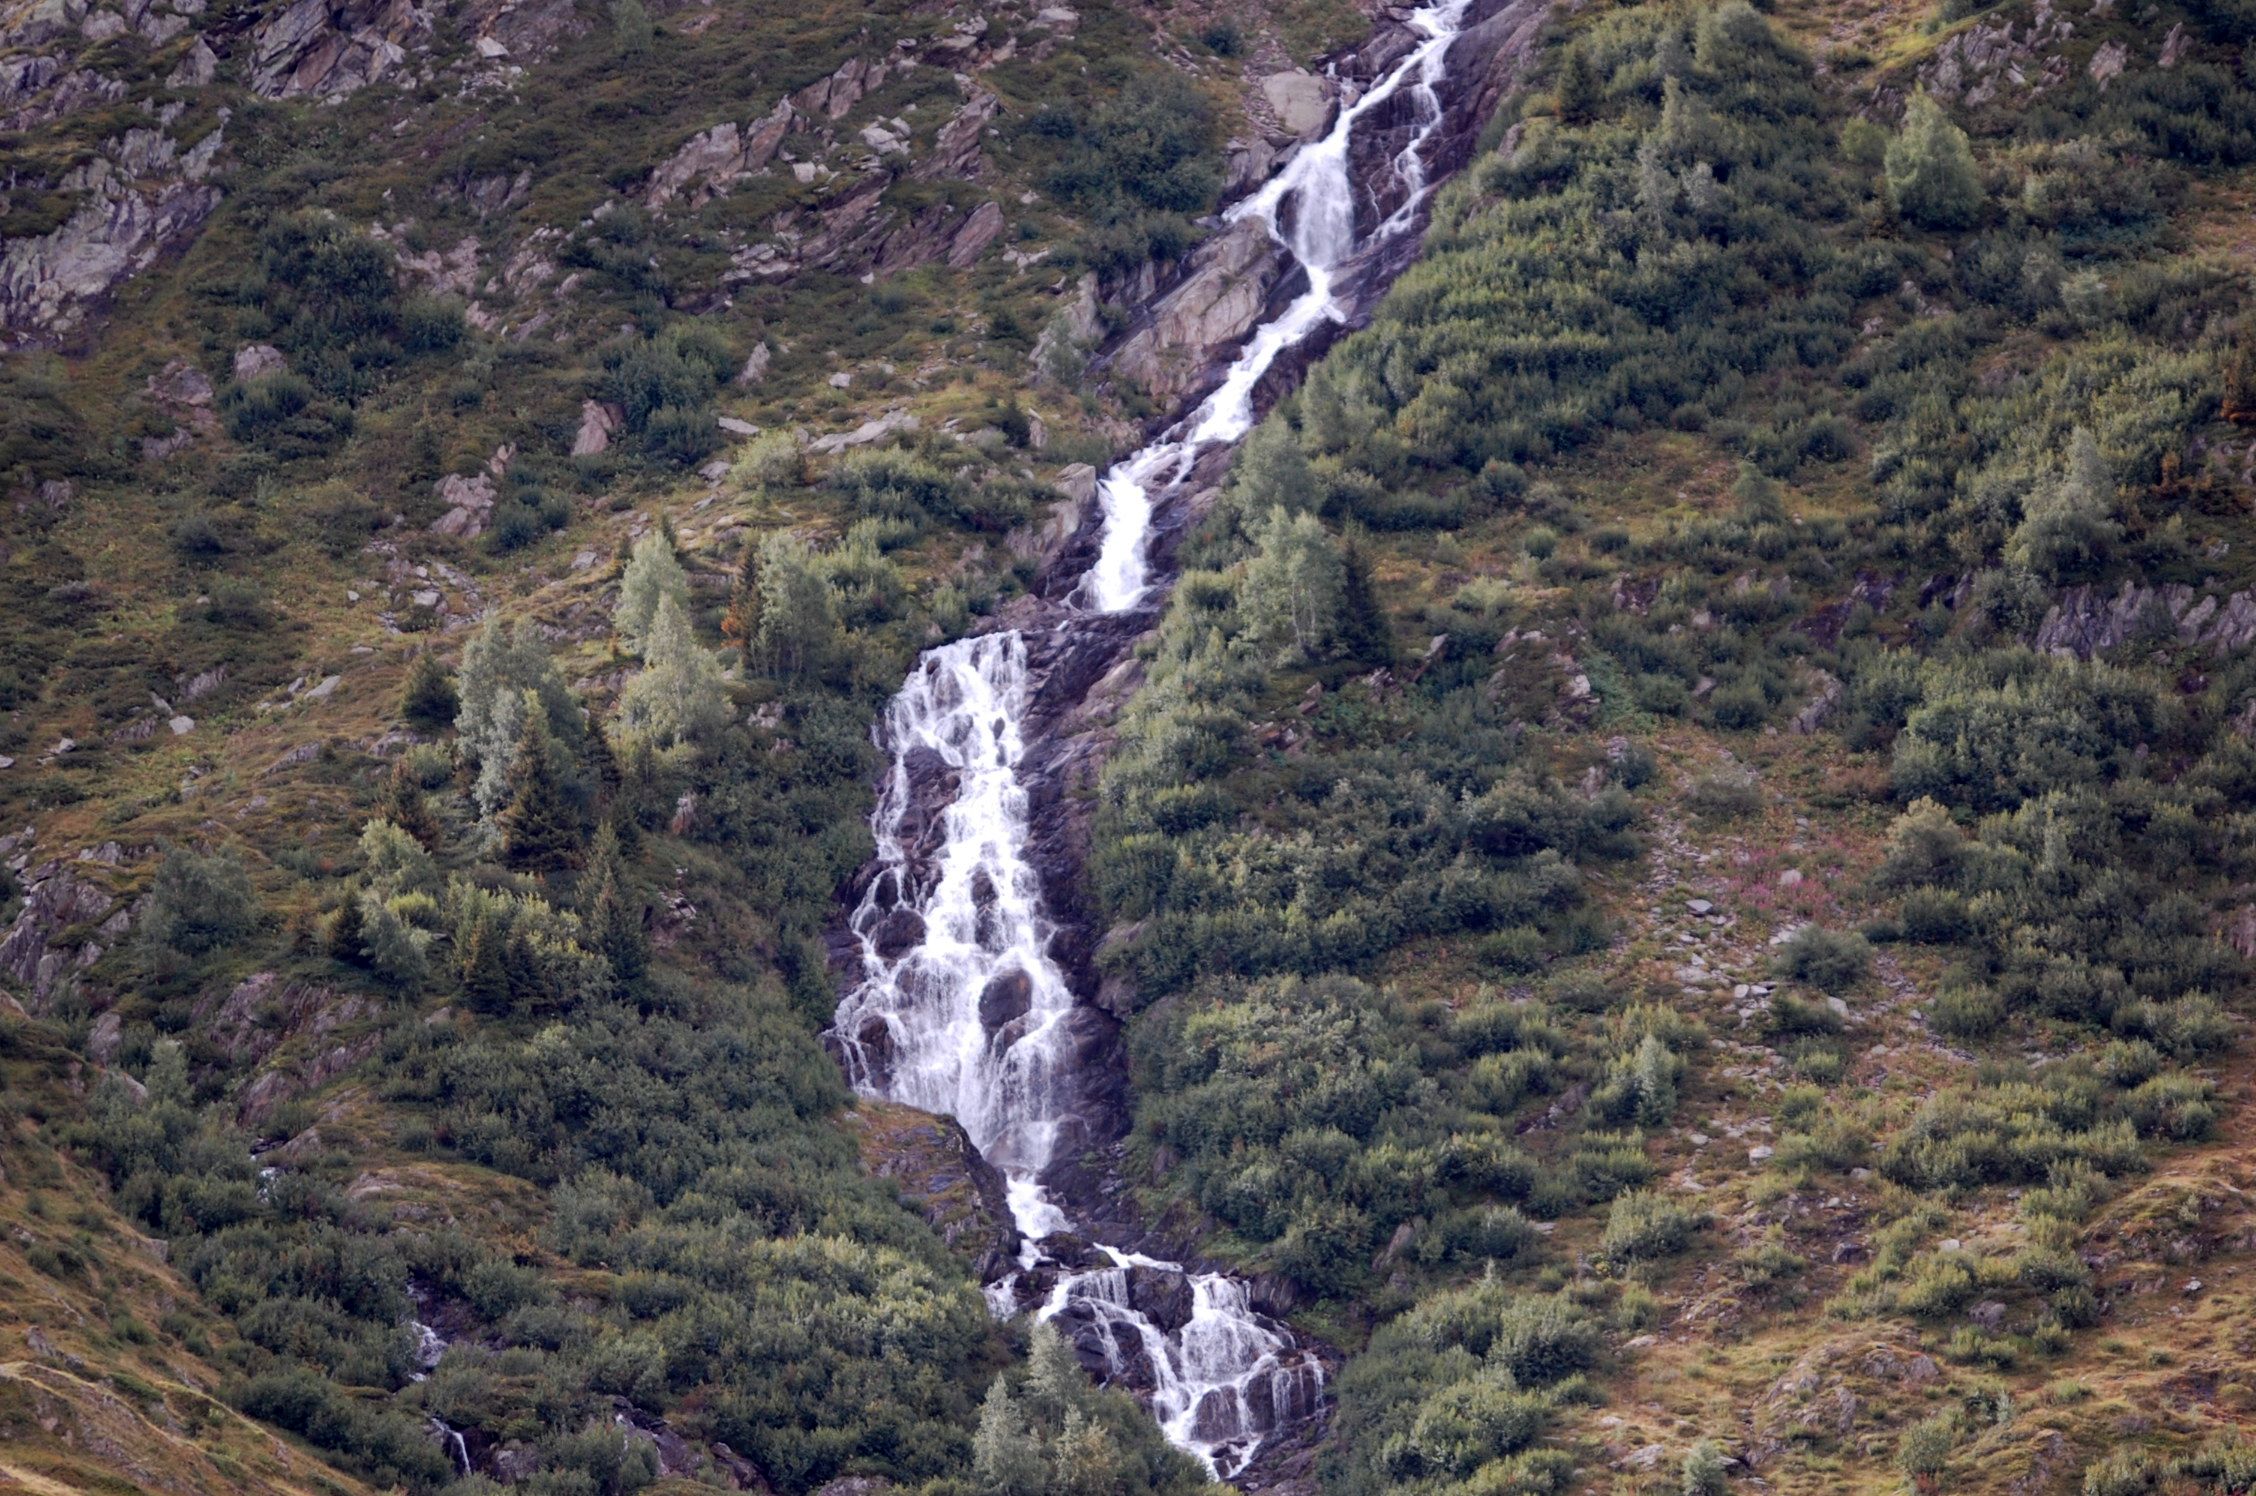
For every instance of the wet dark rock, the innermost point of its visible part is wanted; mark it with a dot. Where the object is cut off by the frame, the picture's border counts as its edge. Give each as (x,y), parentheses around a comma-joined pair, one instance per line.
(1165,1298)
(876,1041)
(1114,1356)
(1075,1254)
(897,933)
(1007,997)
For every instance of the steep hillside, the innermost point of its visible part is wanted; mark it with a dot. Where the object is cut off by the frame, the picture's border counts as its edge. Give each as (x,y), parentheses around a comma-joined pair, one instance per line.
(1673,879)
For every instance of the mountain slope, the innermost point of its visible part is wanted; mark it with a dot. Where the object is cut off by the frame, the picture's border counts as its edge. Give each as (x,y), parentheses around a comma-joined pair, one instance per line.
(1676,877)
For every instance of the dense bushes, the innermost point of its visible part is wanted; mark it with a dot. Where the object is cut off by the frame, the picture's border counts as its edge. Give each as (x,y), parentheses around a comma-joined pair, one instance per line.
(1138,168)
(1451,1396)
(664,387)
(329,299)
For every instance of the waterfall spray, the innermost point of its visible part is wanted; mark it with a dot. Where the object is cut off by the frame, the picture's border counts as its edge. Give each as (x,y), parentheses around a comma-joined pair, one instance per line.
(961,1008)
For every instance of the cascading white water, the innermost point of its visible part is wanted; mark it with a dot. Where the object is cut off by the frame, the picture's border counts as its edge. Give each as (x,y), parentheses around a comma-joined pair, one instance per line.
(1322,239)
(961,1008)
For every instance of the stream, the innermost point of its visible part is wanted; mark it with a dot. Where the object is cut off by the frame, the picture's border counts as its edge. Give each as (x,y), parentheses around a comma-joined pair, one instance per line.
(961,1006)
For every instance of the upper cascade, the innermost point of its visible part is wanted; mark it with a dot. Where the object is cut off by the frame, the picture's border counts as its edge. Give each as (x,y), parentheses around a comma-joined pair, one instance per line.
(1309,208)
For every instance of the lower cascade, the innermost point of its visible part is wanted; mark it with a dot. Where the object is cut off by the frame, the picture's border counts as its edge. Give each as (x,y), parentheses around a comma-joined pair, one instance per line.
(962,1007)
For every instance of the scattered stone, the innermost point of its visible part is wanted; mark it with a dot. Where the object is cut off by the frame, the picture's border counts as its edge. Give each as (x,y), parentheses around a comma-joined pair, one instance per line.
(257,360)
(598,423)
(1302,103)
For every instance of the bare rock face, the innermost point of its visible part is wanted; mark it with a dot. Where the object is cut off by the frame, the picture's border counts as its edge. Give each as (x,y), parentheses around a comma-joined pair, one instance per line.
(711,162)
(469,502)
(257,360)
(1165,1298)
(1216,304)
(598,423)
(932,1161)
(332,47)
(2000,58)
(955,154)
(142,198)
(38,91)
(2086,622)
(1302,103)
(34,952)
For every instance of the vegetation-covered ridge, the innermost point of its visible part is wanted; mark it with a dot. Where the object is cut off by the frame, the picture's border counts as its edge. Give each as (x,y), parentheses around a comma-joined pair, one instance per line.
(1647,873)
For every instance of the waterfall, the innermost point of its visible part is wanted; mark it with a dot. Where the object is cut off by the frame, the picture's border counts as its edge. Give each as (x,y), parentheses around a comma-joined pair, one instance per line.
(961,1008)
(1317,185)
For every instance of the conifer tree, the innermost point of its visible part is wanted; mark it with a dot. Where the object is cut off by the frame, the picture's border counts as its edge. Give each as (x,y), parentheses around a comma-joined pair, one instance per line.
(541,829)
(485,976)
(603,763)
(798,620)
(407,807)
(1006,1459)
(1363,632)
(1930,169)
(348,941)
(612,915)
(428,700)
(1295,585)
(653,575)
(740,623)
(678,696)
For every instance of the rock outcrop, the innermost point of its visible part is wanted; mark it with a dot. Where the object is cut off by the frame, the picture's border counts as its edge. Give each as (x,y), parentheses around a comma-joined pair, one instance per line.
(2087,622)
(933,1163)
(2000,59)
(38,953)
(140,199)
(332,47)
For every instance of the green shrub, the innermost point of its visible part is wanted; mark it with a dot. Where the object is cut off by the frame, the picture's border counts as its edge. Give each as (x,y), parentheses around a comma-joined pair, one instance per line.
(1930,170)
(1830,960)
(1642,1226)
(198,902)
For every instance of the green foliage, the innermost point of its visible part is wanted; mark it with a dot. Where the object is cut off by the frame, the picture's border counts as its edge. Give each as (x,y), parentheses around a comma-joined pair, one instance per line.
(798,620)
(500,666)
(1829,960)
(1924,1448)
(678,696)
(664,386)
(2067,529)
(428,701)
(1642,1226)
(652,576)
(1706,1472)
(542,828)
(1459,1389)
(1295,586)
(1060,1434)
(198,902)
(1136,168)
(1931,176)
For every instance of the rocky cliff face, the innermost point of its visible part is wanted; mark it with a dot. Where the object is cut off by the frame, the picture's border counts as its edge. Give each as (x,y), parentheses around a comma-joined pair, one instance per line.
(142,196)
